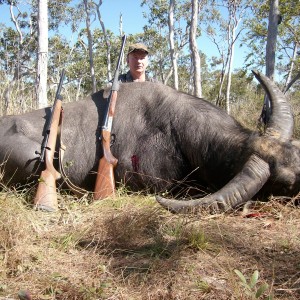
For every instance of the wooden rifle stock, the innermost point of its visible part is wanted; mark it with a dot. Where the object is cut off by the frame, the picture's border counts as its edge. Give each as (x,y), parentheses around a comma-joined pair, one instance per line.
(46,197)
(105,181)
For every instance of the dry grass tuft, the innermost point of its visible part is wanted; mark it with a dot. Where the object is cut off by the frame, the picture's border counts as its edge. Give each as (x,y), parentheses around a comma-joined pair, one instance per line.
(130,248)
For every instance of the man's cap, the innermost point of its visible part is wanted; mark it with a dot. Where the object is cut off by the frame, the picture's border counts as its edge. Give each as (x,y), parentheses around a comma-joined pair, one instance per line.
(137,47)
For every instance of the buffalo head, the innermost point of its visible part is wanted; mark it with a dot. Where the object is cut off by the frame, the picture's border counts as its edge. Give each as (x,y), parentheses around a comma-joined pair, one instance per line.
(273,165)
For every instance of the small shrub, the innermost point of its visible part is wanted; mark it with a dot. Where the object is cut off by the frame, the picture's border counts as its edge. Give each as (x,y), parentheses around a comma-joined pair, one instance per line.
(251,288)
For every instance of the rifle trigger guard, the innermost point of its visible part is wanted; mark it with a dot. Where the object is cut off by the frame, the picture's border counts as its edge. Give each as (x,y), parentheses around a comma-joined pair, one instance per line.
(113,139)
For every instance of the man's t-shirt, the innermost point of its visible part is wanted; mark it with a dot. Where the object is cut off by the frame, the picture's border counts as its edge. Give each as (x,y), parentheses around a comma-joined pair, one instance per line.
(126,77)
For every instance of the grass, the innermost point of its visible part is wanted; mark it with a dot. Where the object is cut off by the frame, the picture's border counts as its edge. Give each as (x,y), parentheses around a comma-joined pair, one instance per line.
(130,248)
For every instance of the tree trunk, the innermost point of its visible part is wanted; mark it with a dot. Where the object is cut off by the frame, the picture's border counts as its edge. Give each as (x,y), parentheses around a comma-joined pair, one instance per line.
(272,38)
(230,63)
(107,42)
(289,77)
(78,88)
(235,10)
(17,64)
(121,34)
(228,86)
(270,54)
(42,63)
(194,50)
(171,42)
(90,44)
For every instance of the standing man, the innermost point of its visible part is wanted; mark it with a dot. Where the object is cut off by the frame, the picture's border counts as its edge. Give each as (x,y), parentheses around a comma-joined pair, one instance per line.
(137,60)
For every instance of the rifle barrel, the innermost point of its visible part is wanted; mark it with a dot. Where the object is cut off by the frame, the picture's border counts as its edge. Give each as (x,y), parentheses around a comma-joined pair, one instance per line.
(57,97)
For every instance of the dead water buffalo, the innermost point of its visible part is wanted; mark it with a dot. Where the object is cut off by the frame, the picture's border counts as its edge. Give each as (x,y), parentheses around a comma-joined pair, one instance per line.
(165,141)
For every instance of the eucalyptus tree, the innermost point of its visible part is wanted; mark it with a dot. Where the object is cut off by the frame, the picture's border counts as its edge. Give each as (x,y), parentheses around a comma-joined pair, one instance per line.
(185,69)
(166,22)
(62,12)
(79,69)
(19,46)
(156,37)
(289,40)
(287,18)
(273,22)
(160,62)
(172,42)
(224,28)
(274,38)
(106,38)
(100,50)
(58,14)
(87,9)
(17,49)
(91,10)
(236,13)
(42,55)
(63,55)
(196,62)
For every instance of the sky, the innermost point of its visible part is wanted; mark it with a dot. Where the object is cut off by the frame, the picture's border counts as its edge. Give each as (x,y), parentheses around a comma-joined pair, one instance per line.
(133,22)
(132,14)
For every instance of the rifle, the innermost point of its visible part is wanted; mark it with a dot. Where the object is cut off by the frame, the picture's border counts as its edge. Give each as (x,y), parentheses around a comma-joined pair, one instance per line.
(46,197)
(105,181)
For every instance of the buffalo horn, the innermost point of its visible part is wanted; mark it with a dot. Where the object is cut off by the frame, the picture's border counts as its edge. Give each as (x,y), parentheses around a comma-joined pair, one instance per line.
(243,186)
(281,123)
